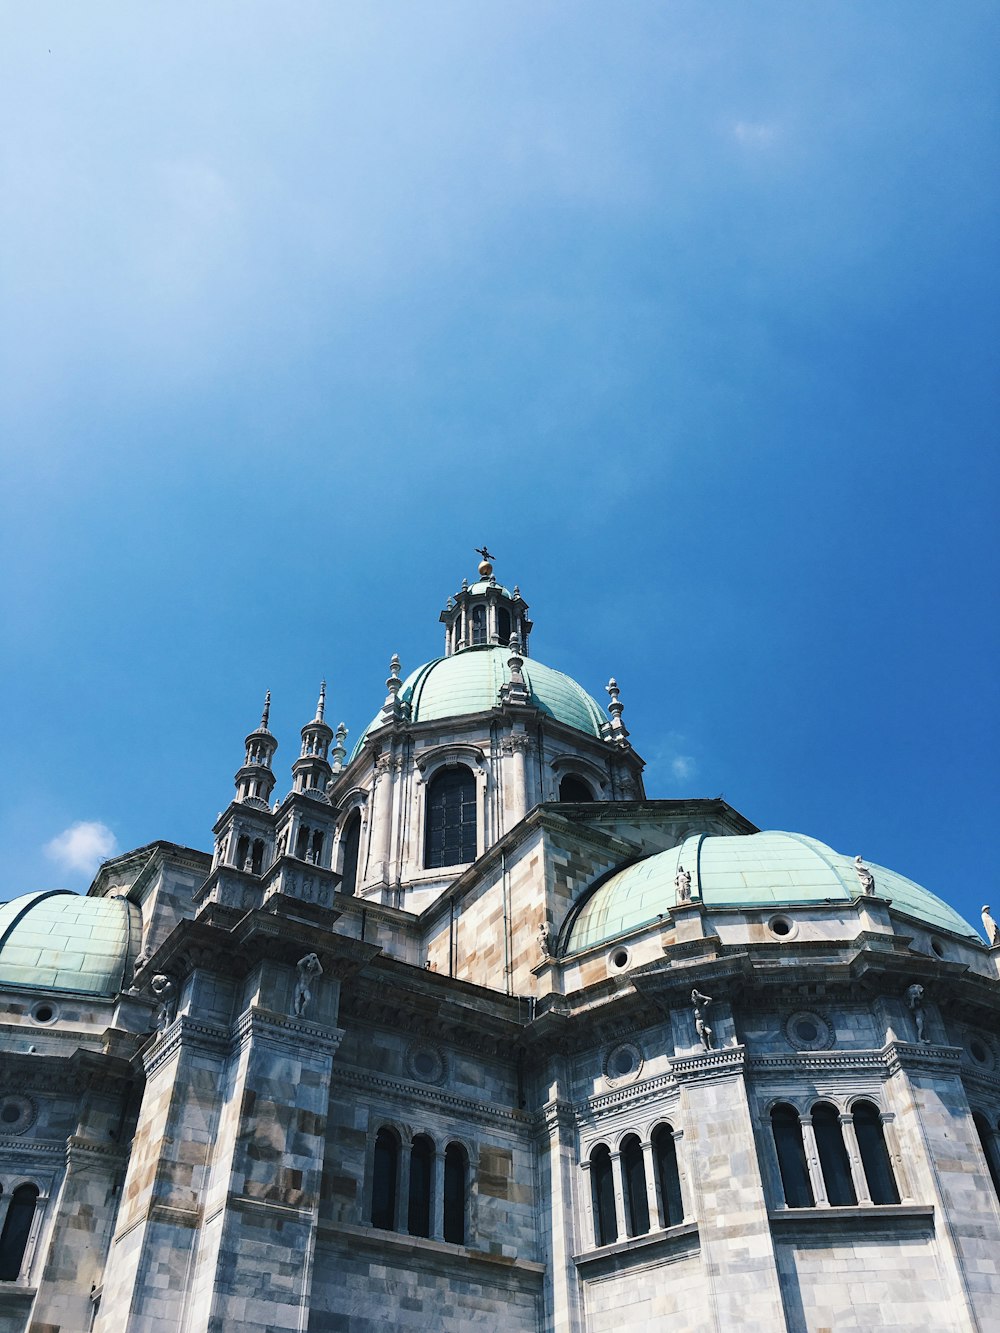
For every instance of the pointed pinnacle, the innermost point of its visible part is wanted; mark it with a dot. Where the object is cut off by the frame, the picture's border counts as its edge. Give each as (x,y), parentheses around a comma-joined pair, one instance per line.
(267,711)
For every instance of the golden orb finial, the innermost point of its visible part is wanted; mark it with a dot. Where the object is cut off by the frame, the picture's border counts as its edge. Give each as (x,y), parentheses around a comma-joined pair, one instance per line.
(485,567)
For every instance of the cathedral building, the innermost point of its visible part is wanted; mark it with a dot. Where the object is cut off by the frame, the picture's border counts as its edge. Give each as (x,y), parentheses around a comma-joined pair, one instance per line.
(467,1030)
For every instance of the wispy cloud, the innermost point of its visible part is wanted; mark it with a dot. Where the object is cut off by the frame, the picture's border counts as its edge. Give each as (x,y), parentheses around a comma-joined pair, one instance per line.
(754,133)
(82,847)
(683,767)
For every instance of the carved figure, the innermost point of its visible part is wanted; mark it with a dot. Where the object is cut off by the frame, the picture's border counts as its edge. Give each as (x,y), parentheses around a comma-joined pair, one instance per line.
(915,1000)
(545,939)
(701,1003)
(309,968)
(864,875)
(682,881)
(990,926)
(142,960)
(166,992)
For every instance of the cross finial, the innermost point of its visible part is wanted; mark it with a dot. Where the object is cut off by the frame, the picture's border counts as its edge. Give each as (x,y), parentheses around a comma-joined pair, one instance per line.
(484,552)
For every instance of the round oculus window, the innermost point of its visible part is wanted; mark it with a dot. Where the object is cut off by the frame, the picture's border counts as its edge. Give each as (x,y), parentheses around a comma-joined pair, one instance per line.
(425,1064)
(808,1031)
(622,1062)
(43,1012)
(17,1114)
(619,959)
(782,927)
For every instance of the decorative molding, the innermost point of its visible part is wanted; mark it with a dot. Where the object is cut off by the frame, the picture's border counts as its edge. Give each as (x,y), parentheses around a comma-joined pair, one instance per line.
(721,1063)
(408,1250)
(656,1247)
(824,1031)
(482,1112)
(633,1094)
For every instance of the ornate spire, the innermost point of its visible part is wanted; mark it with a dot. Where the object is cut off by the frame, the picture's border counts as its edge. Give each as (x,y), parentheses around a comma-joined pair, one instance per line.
(255,781)
(616,730)
(516,691)
(485,614)
(485,565)
(392,709)
(311,770)
(339,752)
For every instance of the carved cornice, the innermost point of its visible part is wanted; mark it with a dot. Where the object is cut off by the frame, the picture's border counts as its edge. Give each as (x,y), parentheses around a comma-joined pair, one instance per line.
(813,1061)
(409,1093)
(396,1248)
(64,1074)
(937,1059)
(266,1025)
(631,1094)
(195,1034)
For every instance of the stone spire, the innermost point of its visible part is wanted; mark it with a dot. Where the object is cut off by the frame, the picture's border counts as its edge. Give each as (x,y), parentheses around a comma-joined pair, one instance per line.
(615,730)
(339,752)
(392,709)
(516,690)
(312,771)
(255,780)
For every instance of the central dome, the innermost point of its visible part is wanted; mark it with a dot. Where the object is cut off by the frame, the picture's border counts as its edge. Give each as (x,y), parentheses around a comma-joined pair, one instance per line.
(60,941)
(469,682)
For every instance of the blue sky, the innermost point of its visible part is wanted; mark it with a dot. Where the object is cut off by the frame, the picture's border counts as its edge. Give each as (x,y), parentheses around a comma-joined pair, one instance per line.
(690,311)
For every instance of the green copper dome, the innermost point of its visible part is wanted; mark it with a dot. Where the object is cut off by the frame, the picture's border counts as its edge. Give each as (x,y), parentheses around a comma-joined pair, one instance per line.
(469,682)
(61,941)
(756,870)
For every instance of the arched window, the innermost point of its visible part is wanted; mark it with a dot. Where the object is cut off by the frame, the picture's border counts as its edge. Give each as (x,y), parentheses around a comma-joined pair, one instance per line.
(242,851)
(317,847)
(302,842)
(418,1213)
(456,1185)
(988,1141)
(634,1176)
(257,856)
(451,818)
(602,1186)
(16,1230)
(385,1177)
(351,843)
(479,624)
(503,625)
(874,1154)
(665,1156)
(833,1159)
(572,788)
(791,1156)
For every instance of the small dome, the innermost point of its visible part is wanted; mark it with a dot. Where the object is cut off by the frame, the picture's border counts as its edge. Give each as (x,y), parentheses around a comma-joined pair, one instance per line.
(483,586)
(470,681)
(757,870)
(62,941)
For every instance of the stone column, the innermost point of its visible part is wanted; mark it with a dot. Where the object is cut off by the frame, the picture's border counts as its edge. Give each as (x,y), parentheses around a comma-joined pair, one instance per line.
(683,1177)
(854,1157)
(657,1212)
(381,832)
(403,1197)
(812,1162)
(437,1197)
(618,1177)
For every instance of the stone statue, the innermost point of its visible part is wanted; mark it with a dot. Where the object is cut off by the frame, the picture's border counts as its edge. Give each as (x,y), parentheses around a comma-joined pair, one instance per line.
(142,960)
(915,1000)
(545,939)
(990,926)
(682,881)
(309,969)
(701,1003)
(166,992)
(865,876)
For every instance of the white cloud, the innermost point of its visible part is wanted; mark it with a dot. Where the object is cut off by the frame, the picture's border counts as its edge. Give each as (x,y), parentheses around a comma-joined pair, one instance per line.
(682,766)
(754,133)
(82,846)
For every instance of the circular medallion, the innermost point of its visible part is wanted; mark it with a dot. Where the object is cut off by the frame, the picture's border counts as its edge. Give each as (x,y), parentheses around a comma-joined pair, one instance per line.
(980,1051)
(808,1031)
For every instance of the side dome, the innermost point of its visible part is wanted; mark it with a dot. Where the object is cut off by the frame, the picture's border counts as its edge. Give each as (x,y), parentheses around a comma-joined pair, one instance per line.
(62,941)
(470,681)
(757,870)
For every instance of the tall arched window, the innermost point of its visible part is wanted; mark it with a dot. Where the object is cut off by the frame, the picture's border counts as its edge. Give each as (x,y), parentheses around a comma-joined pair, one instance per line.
(634,1176)
(351,843)
(16,1230)
(665,1156)
(874,1154)
(302,842)
(451,818)
(316,849)
(242,851)
(479,624)
(791,1156)
(988,1140)
(456,1185)
(833,1159)
(257,856)
(503,625)
(385,1177)
(602,1187)
(572,788)
(418,1213)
